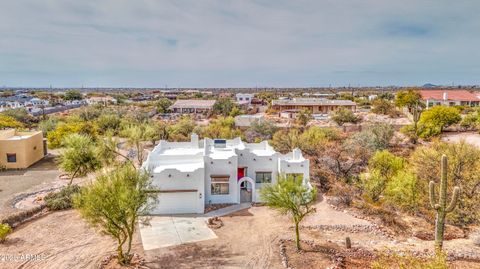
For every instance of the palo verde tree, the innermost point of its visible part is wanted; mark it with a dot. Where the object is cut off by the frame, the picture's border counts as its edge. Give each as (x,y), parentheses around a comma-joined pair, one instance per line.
(79,156)
(291,197)
(114,202)
(441,207)
(412,100)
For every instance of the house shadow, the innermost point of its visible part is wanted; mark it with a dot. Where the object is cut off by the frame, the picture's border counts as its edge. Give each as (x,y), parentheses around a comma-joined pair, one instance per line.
(190,256)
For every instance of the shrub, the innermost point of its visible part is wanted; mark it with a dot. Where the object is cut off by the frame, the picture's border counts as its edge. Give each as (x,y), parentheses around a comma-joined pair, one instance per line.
(63,199)
(344,115)
(403,191)
(5,230)
(409,261)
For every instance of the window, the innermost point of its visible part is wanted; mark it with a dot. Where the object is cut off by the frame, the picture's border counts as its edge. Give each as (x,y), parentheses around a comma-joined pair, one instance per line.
(295,176)
(11,157)
(220,185)
(263,177)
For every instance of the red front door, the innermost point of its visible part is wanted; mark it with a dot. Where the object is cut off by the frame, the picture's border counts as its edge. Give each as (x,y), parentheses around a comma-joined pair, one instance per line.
(240,173)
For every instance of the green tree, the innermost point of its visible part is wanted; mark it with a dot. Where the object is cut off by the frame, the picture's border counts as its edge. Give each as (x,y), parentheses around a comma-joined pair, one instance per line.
(384,107)
(382,167)
(403,191)
(260,130)
(73,95)
(182,130)
(135,135)
(108,122)
(114,202)
(48,125)
(286,140)
(79,157)
(290,197)
(412,100)
(221,128)
(163,105)
(223,106)
(434,120)
(108,151)
(343,115)
(303,117)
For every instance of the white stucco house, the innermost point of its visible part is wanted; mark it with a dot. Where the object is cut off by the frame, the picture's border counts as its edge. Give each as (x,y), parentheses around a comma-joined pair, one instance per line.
(189,175)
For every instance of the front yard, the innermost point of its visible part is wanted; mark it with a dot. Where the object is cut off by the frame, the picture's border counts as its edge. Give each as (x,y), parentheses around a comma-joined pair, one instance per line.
(249,238)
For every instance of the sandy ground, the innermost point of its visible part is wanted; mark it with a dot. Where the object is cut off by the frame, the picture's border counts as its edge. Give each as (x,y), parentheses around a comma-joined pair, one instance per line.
(469,137)
(248,239)
(42,175)
(61,240)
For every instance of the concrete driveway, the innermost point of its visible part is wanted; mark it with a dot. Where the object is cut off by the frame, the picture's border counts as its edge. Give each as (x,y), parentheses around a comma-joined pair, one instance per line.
(165,231)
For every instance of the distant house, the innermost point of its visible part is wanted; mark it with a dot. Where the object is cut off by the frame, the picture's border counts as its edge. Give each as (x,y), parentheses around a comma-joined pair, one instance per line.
(192,106)
(21,101)
(20,149)
(244,98)
(315,105)
(189,175)
(103,100)
(449,98)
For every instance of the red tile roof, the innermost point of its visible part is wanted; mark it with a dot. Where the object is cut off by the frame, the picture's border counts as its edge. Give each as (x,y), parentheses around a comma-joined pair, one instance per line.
(453,95)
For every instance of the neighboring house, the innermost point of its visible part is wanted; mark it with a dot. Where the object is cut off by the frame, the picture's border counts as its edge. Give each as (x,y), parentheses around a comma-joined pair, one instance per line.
(190,175)
(103,100)
(21,101)
(449,98)
(20,149)
(192,106)
(244,98)
(315,105)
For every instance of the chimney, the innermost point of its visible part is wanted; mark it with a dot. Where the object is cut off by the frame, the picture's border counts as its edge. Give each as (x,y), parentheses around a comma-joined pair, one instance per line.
(297,154)
(445,96)
(194,140)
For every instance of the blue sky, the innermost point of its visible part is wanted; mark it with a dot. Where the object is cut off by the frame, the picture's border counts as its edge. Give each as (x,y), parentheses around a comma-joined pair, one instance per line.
(242,43)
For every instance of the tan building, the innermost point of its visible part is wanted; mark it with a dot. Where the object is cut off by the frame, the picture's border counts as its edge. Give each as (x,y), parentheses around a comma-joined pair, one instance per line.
(193,106)
(20,149)
(315,105)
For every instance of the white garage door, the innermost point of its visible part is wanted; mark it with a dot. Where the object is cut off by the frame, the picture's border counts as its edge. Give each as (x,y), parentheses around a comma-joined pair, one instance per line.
(176,203)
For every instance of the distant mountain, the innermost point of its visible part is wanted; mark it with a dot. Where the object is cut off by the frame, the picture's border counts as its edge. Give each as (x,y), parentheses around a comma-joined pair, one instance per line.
(429,85)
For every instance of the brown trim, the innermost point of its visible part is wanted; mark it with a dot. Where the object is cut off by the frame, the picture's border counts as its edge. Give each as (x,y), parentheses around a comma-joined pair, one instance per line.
(168,191)
(221,176)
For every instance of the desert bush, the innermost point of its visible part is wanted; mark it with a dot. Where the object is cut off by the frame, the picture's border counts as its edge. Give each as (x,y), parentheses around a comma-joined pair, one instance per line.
(463,169)
(63,199)
(403,191)
(5,230)
(344,115)
(409,261)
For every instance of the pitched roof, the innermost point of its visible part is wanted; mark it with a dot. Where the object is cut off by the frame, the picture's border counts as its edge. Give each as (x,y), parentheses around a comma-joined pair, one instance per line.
(453,95)
(193,104)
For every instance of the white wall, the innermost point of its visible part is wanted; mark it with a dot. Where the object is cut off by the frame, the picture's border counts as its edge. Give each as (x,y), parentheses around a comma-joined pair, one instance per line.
(221,167)
(173,179)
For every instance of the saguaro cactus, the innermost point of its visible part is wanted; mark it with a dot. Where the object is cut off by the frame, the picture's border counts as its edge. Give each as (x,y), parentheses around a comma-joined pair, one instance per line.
(441,207)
